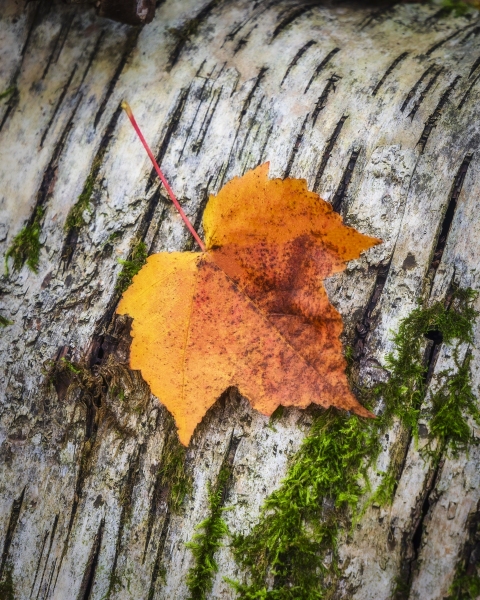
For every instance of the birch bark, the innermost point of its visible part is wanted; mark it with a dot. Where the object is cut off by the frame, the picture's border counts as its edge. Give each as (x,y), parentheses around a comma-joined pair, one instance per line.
(378,110)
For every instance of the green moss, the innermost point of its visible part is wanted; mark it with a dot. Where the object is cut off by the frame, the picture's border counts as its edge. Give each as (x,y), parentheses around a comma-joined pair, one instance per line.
(72,367)
(208,540)
(294,542)
(8,92)
(25,248)
(407,386)
(7,591)
(173,473)
(75,218)
(131,267)
(275,417)
(292,551)
(465,587)
(451,403)
(384,493)
(4,322)
(187,31)
(456,7)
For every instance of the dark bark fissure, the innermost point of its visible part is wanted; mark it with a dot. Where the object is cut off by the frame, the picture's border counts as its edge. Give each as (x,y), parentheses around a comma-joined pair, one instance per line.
(59,43)
(292,15)
(67,86)
(157,570)
(155,224)
(328,151)
(52,537)
(12,524)
(339,196)
(187,31)
(170,131)
(364,325)
(433,118)
(243,41)
(130,45)
(320,67)
(415,87)
(265,143)
(475,66)
(393,66)
(450,213)
(215,95)
(158,504)
(191,244)
(322,100)
(252,121)
(296,58)
(83,471)
(439,44)
(376,17)
(112,338)
(475,31)
(203,94)
(432,350)
(92,57)
(227,463)
(147,220)
(264,6)
(58,105)
(71,239)
(251,93)
(471,551)
(424,92)
(39,562)
(89,573)
(198,143)
(246,105)
(37,18)
(296,147)
(412,539)
(49,176)
(466,96)
(41,10)
(131,480)
(52,571)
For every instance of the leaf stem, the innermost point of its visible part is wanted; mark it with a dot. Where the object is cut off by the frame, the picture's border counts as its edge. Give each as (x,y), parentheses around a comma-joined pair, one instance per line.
(128,110)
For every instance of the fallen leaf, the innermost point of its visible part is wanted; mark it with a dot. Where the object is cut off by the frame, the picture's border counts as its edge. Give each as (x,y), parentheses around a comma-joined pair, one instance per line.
(251,311)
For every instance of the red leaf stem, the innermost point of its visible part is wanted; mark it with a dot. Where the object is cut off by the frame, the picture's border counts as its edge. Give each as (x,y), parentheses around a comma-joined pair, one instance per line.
(128,110)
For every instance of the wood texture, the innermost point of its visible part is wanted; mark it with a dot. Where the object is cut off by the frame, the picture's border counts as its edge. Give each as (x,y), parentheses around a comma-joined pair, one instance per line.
(378,110)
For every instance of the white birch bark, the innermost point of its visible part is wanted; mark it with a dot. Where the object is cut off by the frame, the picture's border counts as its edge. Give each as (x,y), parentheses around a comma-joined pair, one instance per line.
(319,92)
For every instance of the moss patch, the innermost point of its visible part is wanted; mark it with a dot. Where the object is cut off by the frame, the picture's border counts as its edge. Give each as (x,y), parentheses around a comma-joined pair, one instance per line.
(75,218)
(465,586)
(4,322)
(7,591)
(208,540)
(132,266)
(25,248)
(292,551)
(172,473)
(8,92)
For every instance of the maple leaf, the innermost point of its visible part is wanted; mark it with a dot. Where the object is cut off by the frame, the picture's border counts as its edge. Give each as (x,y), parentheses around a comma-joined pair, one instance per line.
(251,311)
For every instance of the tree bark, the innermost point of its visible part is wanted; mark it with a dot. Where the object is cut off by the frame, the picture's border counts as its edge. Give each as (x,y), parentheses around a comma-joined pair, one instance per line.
(377,110)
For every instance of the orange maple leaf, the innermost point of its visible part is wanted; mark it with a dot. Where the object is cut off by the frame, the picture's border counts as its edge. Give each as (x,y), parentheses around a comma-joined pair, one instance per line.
(251,311)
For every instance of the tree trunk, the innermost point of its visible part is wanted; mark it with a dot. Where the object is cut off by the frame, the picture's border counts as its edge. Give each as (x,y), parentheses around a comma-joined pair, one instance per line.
(377,110)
